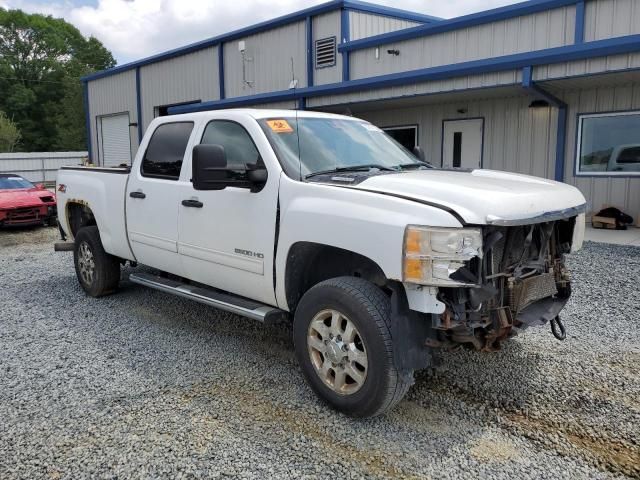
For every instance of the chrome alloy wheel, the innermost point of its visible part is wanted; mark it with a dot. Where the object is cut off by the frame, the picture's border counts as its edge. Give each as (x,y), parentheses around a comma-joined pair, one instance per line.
(86,263)
(337,352)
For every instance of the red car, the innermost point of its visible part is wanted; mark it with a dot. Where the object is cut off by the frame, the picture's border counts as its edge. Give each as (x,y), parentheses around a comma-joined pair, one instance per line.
(23,203)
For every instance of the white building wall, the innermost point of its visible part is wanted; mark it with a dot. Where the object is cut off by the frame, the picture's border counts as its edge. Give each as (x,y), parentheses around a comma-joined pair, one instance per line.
(553,28)
(325,26)
(109,95)
(611,18)
(186,78)
(268,61)
(623,193)
(362,25)
(39,167)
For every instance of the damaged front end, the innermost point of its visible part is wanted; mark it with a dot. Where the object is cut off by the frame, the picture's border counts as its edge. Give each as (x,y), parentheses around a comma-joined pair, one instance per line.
(517,279)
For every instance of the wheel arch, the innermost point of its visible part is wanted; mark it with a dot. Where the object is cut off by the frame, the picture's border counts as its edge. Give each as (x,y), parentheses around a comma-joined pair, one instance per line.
(309,263)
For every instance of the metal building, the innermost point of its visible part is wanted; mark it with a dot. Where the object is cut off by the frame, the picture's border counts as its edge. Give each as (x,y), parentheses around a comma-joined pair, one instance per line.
(545,87)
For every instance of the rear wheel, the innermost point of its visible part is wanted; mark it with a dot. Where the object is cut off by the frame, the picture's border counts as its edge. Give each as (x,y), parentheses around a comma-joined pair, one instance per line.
(343,344)
(97,271)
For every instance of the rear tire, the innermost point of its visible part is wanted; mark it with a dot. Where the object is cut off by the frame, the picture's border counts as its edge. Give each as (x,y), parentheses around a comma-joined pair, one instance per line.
(342,337)
(97,271)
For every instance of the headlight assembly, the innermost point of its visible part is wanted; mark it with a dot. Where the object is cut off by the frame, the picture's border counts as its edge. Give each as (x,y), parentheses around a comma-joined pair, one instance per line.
(432,255)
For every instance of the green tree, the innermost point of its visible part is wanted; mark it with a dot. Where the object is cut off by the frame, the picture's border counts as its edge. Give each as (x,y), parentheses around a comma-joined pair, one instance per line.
(41,62)
(9,134)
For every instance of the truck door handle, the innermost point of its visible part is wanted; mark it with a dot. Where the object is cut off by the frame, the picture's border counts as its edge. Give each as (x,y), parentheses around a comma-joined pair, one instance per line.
(192,203)
(137,195)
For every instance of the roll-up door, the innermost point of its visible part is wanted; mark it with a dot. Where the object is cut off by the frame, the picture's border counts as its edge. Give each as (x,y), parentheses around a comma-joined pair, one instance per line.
(116,142)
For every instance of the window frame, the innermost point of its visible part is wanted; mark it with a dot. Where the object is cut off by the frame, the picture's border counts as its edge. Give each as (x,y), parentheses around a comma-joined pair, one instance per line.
(165,177)
(258,160)
(578,145)
(413,126)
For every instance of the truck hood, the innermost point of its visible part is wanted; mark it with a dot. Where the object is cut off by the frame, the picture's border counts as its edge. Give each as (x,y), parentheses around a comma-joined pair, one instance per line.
(483,196)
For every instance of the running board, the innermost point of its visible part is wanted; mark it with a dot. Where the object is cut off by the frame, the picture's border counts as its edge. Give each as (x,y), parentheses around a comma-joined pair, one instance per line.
(214,298)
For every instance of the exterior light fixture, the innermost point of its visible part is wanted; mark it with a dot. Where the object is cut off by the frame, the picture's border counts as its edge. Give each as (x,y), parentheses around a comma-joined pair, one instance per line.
(539,104)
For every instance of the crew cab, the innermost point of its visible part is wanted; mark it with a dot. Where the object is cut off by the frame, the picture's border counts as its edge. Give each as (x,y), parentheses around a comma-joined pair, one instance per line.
(374,255)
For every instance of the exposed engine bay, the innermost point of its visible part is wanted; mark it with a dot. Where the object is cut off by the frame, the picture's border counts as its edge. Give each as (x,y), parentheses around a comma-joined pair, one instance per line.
(521,281)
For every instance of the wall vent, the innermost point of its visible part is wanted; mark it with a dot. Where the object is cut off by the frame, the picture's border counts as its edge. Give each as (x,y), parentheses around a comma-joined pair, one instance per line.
(326,52)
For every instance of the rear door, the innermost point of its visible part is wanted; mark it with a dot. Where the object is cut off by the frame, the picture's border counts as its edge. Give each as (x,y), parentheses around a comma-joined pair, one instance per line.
(153,197)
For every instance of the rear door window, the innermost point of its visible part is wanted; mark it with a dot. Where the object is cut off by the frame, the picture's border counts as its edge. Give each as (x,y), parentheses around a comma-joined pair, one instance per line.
(166,149)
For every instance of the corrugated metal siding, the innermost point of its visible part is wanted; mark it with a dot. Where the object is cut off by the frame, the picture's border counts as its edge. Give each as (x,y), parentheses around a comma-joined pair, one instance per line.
(113,94)
(611,18)
(325,26)
(363,25)
(548,29)
(621,192)
(270,69)
(40,166)
(424,88)
(182,79)
(611,63)
(516,137)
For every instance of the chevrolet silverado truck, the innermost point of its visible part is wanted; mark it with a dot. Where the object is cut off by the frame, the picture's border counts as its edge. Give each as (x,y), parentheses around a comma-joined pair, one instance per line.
(376,257)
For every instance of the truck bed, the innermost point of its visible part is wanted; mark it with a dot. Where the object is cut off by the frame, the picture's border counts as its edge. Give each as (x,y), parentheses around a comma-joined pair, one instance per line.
(103,191)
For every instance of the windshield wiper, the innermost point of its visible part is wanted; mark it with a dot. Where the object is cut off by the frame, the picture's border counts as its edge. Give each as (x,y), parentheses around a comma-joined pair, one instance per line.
(411,166)
(354,168)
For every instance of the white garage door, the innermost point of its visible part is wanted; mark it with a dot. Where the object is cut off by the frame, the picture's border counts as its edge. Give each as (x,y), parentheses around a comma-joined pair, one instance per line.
(116,144)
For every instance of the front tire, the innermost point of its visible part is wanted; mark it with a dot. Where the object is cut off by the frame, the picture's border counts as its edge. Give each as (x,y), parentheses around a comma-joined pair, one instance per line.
(342,337)
(97,271)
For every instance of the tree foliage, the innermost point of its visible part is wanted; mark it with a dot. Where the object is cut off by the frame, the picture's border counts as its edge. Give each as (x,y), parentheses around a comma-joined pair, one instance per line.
(41,61)
(9,134)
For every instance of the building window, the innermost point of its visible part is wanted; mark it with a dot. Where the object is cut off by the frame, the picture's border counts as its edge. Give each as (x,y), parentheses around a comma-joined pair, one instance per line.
(163,110)
(164,155)
(326,52)
(609,144)
(407,136)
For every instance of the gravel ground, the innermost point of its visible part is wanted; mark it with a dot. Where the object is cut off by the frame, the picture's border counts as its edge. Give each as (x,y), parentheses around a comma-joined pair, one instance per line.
(141,384)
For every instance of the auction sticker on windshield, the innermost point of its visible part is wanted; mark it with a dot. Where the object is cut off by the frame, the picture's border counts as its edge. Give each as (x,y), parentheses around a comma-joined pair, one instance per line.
(280,126)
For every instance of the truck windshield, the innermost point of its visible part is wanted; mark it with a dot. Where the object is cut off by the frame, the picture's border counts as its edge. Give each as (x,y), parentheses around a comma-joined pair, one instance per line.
(11,183)
(309,146)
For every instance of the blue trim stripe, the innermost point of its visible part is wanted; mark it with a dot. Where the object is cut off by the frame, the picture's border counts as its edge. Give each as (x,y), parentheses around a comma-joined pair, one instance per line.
(561,135)
(139,106)
(262,27)
(221,71)
(600,48)
(345,35)
(580,20)
(310,53)
(87,119)
(497,14)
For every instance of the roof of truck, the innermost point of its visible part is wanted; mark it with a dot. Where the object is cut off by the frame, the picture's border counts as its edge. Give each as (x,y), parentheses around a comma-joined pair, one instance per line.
(258,113)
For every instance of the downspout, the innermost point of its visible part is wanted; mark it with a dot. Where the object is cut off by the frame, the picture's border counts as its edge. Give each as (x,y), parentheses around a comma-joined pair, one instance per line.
(561,136)
(87,118)
(345,36)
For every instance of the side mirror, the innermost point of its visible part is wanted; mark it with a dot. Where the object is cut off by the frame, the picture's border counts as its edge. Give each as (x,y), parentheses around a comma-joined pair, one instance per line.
(40,186)
(419,154)
(209,168)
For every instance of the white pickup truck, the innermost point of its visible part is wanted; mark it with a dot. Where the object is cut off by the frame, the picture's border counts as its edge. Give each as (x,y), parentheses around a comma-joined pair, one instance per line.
(375,256)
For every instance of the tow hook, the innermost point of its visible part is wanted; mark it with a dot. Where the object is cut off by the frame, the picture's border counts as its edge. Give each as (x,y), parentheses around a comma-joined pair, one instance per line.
(557,328)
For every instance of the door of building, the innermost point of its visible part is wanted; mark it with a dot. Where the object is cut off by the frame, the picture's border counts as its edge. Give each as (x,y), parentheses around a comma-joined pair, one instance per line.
(463,140)
(115,140)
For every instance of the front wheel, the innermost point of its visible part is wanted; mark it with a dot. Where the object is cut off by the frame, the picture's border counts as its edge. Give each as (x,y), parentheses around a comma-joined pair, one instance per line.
(97,271)
(343,343)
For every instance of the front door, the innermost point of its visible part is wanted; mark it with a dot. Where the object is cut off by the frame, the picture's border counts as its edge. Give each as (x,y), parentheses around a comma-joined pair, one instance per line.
(226,237)
(153,198)
(462,147)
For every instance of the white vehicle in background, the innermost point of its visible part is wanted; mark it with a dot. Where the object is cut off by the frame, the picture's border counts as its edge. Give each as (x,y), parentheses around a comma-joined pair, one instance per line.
(625,158)
(375,256)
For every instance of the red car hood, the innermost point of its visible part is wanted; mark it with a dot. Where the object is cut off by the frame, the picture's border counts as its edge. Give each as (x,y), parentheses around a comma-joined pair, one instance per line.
(24,197)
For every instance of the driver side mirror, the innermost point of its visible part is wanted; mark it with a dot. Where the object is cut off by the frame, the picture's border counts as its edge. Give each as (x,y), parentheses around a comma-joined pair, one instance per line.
(209,167)
(419,154)
(40,186)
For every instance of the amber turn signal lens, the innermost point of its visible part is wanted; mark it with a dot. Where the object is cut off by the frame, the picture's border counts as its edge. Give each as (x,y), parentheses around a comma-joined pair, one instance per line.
(412,242)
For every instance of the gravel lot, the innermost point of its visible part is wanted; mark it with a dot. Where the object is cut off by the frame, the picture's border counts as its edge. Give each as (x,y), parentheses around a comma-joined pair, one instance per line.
(141,384)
